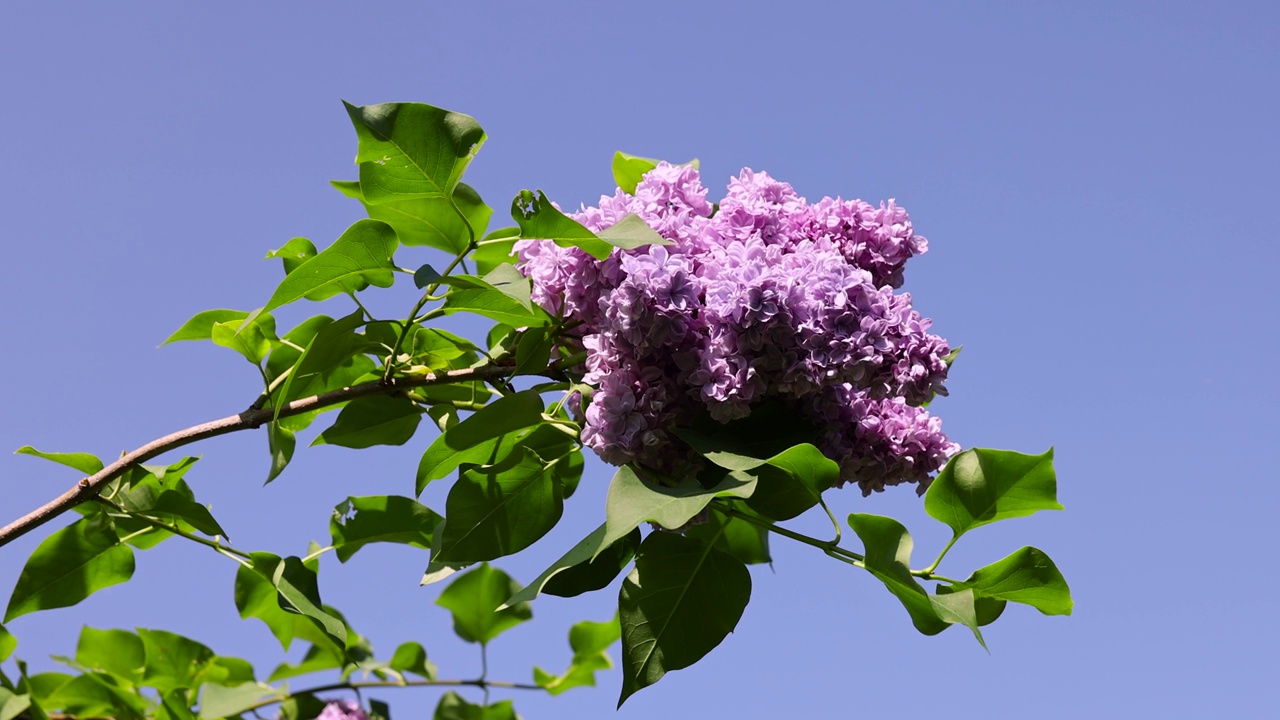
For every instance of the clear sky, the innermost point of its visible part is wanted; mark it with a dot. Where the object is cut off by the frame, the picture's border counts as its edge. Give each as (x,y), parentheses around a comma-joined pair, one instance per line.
(1095,179)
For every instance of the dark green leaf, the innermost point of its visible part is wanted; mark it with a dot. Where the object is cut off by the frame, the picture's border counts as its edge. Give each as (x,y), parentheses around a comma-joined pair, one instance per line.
(502,295)
(434,222)
(176,505)
(69,566)
(200,327)
(411,658)
(981,486)
(359,258)
(1027,576)
(533,351)
(426,275)
(175,706)
(540,220)
(281,443)
(632,232)
(374,420)
(474,597)
(298,592)
(481,434)
(328,347)
(84,462)
(888,557)
(294,253)
(679,603)
(412,150)
(304,706)
(634,500)
(576,572)
(118,652)
(436,570)
(219,701)
(358,521)
(499,510)
(734,536)
(589,640)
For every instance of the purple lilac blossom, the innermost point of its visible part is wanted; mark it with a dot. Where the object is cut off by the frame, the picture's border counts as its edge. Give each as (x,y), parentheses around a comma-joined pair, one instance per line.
(769,297)
(342,710)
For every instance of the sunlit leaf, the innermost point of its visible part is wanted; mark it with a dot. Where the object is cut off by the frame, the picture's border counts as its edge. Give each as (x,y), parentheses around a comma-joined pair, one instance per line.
(294,253)
(373,420)
(888,557)
(362,256)
(981,486)
(431,221)
(409,150)
(540,220)
(69,566)
(84,462)
(1027,576)
(200,327)
(219,701)
(474,597)
(358,521)
(589,641)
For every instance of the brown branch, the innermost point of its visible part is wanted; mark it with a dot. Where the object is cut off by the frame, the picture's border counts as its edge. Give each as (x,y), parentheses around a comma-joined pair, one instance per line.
(250,419)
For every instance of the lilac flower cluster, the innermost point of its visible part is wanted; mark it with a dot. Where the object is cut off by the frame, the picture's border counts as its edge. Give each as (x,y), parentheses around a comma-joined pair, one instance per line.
(767,297)
(342,710)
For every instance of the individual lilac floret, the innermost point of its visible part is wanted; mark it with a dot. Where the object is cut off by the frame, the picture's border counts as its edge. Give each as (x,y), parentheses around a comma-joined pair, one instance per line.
(342,710)
(769,298)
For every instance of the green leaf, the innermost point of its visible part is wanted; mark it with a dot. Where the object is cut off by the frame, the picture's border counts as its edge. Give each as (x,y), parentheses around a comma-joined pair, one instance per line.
(410,657)
(375,420)
(981,486)
(227,671)
(628,170)
(679,603)
(69,566)
(118,652)
(294,253)
(533,351)
(734,536)
(788,483)
(358,521)
(12,705)
(298,592)
(317,659)
(84,462)
(498,510)
(201,326)
(634,500)
(218,701)
(589,640)
(540,220)
(252,337)
(632,232)
(474,597)
(362,256)
(496,249)
(481,434)
(1027,576)
(303,706)
(96,694)
(172,661)
(453,707)
(434,222)
(888,557)
(7,643)
(280,443)
(412,150)
(175,706)
(582,573)
(176,505)
(436,570)
(502,295)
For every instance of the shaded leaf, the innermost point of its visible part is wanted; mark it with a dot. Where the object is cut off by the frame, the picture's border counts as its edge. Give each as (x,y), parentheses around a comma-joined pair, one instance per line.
(734,536)
(219,701)
(499,510)
(298,592)
(888,557)
(453,707)
(482,430)
(632,232)
(280,443)
(358,521)
(374,420)
(679,603)
(634,500)
(577,572)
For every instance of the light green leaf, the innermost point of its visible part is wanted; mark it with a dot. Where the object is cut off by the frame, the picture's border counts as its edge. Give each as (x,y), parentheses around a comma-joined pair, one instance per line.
(540,220)
(474,597)
(332,344)
(362,256)
(410,657)
(502,295)
(888,557)
(632,232)
(298,592)
(358,521)
(1027,576)
(294,253)
(498,510)
(84,462)
(118,652)
(634,500)
(175,706)
(496,249)
(434,222)
(219,701)
(12,705)
(374,420)
(96,694)
(981,486)
(412,150)
(679,603)
(252,337)
(7,643)
(200,327)
(629,170)
(172,661)
(453,707)
(69,566)
(589,640)
(317,659)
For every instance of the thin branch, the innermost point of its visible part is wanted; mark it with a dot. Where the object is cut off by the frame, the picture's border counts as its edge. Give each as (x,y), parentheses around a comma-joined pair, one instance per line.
(250,419)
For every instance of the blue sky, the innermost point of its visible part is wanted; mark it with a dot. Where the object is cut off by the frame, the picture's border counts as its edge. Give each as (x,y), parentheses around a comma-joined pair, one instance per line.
(1095,179)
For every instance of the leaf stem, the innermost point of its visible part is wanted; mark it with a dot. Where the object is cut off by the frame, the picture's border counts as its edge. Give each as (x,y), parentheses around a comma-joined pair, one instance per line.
(828,547)
(929,570)
(426,297)
(834,522)
(157,524)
